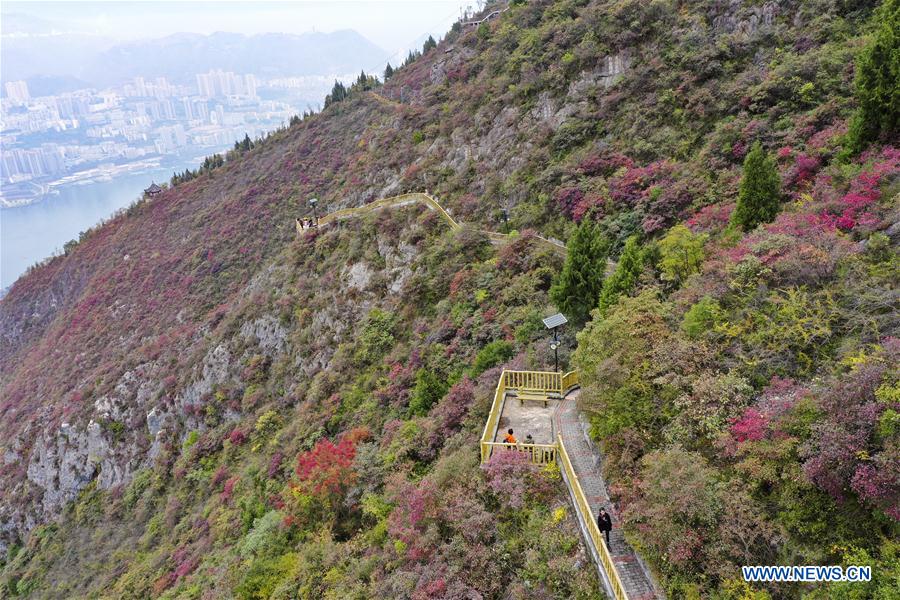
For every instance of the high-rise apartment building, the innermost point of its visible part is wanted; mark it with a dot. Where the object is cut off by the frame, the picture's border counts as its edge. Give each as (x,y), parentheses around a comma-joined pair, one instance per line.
(17,91)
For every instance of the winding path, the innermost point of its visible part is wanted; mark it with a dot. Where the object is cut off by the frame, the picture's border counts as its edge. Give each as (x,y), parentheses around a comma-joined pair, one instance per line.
(430,202)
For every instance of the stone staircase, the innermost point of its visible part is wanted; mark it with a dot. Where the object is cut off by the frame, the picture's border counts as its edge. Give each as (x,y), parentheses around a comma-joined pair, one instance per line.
(585,458)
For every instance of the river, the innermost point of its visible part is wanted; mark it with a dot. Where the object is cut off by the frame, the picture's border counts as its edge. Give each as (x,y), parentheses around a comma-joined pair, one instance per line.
(31,233)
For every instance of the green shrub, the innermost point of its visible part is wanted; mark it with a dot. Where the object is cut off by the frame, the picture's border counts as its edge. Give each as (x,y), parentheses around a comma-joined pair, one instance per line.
(377,337)
(493,354)
(430,387)
(264,575)
(681,254)
(702,317)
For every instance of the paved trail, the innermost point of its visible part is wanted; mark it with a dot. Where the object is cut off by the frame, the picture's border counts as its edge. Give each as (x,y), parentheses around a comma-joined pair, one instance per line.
(585,459)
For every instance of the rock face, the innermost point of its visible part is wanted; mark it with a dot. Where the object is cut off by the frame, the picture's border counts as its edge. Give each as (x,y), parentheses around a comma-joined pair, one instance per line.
(267,333)
(745,21)
(65,461)
(128,426)
(612,67)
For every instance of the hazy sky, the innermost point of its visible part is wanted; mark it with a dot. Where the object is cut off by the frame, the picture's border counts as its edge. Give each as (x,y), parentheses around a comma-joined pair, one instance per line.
(391,24)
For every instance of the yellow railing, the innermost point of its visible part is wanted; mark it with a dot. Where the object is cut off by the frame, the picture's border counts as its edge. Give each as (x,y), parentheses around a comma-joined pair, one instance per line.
(490,428)
(432,203)
(587,516)
(540,454)
(569,381)
(538,381)
(388,202)
(544,382)
(549,383)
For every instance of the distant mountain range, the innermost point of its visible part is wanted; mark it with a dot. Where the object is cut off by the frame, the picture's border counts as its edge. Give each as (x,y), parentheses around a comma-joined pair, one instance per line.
(98,61)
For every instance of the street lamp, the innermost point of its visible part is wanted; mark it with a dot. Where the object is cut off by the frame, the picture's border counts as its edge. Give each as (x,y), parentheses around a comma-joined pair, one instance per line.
(554,345)
(553,323)
(313,202)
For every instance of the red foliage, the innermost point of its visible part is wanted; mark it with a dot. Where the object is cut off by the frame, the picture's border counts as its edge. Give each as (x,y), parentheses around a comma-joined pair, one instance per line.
(238,436)
(417,506)
(856,206)
(162,584)
(604,164)
(879,484)
(801,173)
(507,475)
(327,469)
(275,465)
(711,218)
(220,475)
(459,280)
(228,489)
(751,426)
(567,199)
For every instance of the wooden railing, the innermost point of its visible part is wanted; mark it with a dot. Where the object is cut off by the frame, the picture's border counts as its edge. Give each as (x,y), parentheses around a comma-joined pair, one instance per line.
(490,428)
(590,523)
(538,381)
(543,382)
(540,454)
(569,382)
(431,202)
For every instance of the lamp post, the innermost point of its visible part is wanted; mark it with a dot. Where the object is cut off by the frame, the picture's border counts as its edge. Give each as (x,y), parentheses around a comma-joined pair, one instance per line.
(553,323)
(313,202)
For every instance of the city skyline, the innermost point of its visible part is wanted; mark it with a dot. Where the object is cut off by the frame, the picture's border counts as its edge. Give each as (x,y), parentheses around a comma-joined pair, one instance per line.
(49,140)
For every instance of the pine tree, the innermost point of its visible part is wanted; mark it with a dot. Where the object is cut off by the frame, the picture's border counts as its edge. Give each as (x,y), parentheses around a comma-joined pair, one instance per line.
(577,287)
(626,275)
(759,197)
(429,44)
(878,83)
(388,72)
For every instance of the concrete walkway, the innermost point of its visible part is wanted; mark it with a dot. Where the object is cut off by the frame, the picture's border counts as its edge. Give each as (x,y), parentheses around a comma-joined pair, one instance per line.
(585,458)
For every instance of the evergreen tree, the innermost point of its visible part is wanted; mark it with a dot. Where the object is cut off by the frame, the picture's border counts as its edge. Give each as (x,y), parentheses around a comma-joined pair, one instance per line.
(429,44)
(878,83)
(388,72)
(625,277)
(577,287)
(411,57)
(759,197)
(338,93)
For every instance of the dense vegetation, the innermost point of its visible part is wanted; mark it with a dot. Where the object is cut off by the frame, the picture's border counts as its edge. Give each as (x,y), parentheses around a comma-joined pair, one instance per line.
(731,211)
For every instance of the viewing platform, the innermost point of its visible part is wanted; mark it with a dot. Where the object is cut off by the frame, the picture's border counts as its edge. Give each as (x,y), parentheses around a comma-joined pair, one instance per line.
(525,402)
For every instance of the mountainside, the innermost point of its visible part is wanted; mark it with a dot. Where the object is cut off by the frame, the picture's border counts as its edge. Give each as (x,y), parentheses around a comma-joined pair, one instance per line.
(199,402)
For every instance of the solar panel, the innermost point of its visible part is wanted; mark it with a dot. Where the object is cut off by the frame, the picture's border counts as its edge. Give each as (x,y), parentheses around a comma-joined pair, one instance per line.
(555,321)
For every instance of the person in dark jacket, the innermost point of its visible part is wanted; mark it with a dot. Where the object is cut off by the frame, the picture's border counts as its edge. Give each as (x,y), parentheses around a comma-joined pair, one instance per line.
(604,523)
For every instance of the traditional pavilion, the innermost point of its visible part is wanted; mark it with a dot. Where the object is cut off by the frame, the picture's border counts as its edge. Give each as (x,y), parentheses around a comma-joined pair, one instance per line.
(153,190)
